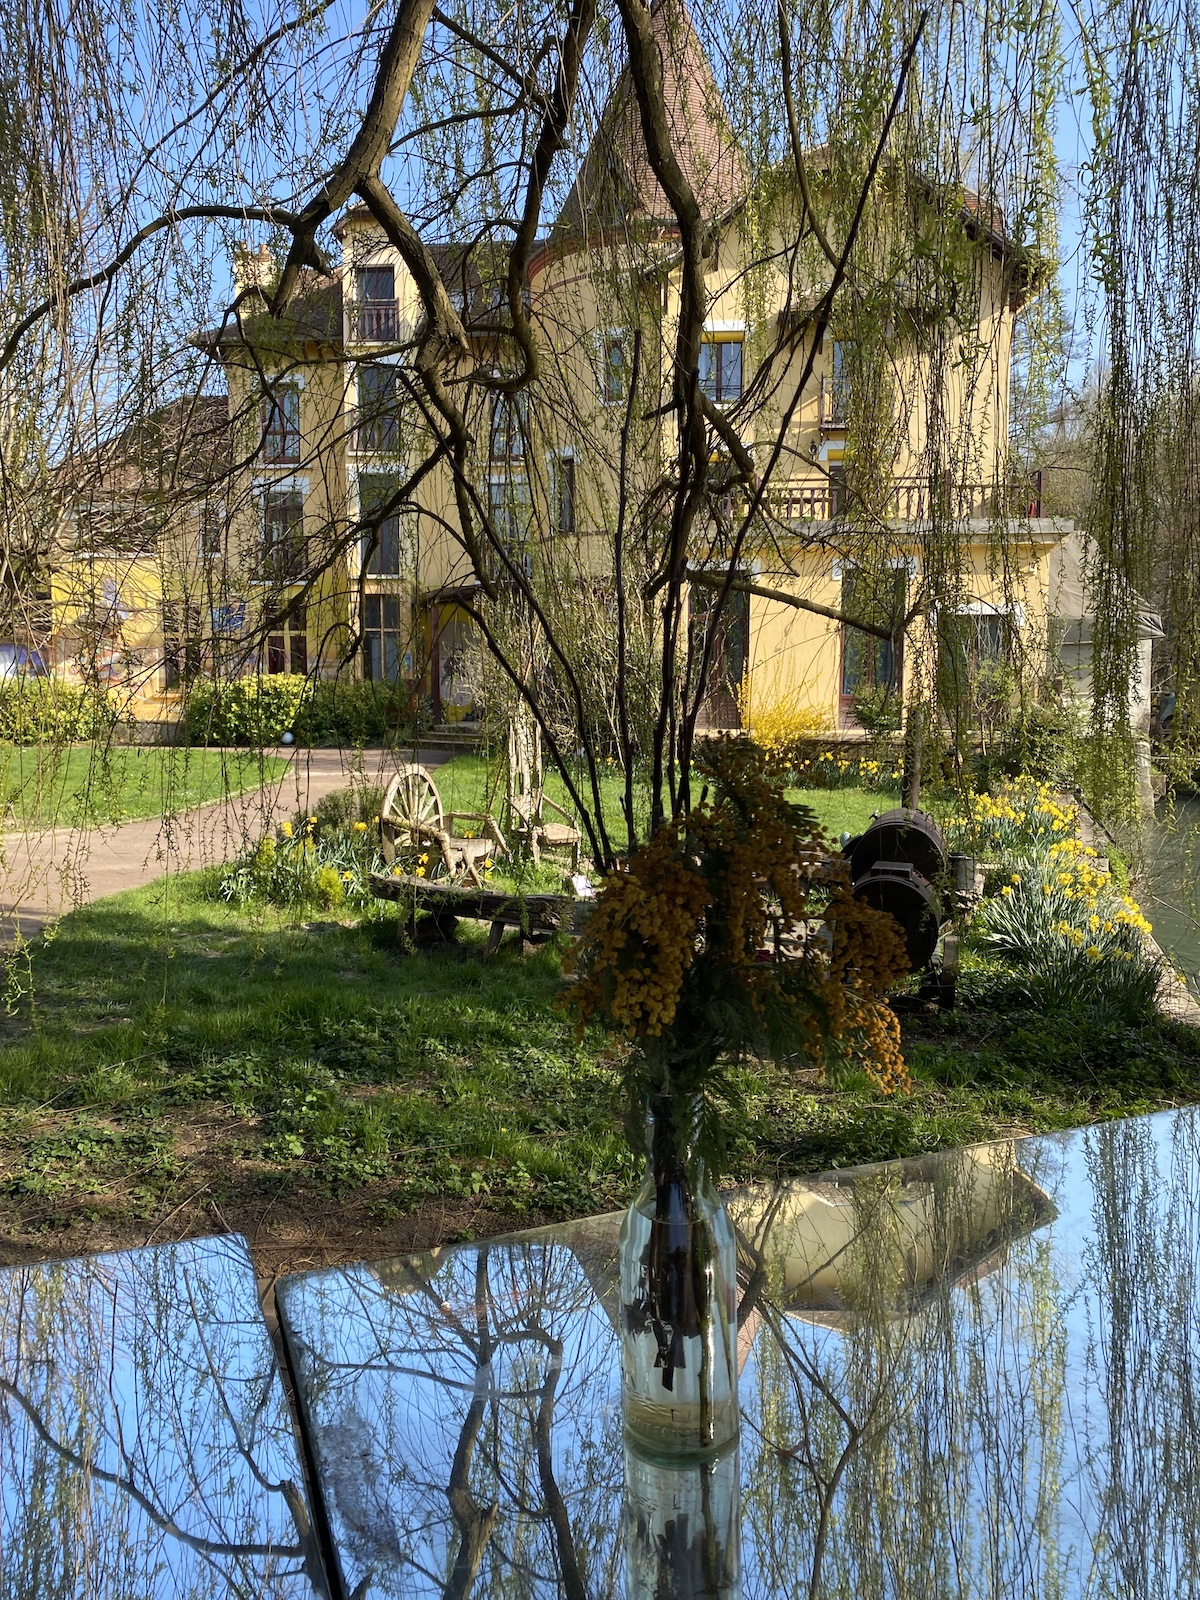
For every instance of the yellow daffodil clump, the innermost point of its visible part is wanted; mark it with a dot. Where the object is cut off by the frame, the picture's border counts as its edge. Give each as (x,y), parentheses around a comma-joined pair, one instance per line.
(1064,903)
(699,949)
(1021,817)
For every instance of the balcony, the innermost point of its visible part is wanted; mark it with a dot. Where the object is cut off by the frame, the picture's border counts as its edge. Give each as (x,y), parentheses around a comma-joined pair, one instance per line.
(825,500)
(373,321)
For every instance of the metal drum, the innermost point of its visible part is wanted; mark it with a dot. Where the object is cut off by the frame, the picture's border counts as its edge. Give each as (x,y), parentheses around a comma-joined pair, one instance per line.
(900,835)
(899,889)
(894,865)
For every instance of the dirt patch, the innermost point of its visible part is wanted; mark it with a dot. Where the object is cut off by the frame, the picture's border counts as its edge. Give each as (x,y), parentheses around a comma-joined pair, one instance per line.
(289,1228)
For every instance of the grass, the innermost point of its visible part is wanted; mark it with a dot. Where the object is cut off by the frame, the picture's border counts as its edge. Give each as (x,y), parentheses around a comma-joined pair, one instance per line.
(473,783)
(87,785)
(843,810)
(172,1065)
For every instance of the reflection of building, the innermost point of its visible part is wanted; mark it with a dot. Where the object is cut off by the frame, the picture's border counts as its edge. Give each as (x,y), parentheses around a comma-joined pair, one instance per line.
(337,566)
(897,1232)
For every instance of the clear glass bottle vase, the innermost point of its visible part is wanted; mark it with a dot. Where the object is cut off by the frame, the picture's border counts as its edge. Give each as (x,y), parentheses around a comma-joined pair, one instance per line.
(678,1263)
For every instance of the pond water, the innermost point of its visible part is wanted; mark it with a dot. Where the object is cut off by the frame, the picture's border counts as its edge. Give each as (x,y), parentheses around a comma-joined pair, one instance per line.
(1170,892)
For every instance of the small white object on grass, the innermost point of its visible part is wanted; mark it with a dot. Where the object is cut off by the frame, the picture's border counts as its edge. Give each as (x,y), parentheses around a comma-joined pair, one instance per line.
(583,887)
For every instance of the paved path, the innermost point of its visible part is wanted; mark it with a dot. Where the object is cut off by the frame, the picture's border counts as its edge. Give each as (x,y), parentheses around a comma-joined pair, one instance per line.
(49,871)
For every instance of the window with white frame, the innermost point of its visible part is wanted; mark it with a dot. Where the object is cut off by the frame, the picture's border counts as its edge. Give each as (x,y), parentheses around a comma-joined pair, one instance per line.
(183,643)
(375,313)
(721,367)
(612,368)
(285,648)
(835,390)
(281,423)
(385,652)
(212,532)
(282,534)
(510,510)
(975,645)
(510,427)
(871,665)
(561,492)
(378,408)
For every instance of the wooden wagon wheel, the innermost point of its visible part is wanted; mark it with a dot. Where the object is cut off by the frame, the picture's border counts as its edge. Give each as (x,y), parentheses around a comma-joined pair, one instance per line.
(410,804)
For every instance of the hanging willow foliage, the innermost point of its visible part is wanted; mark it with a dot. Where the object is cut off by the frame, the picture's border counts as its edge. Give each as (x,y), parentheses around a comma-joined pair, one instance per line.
(878,177)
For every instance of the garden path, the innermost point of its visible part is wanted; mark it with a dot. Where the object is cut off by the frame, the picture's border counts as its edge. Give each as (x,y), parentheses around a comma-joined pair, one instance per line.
(46,872)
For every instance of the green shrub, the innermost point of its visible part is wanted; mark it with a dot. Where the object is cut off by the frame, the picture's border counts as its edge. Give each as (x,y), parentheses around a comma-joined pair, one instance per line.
(342,808)
(259,710)
(247,711)
(1041,742)
(47,711)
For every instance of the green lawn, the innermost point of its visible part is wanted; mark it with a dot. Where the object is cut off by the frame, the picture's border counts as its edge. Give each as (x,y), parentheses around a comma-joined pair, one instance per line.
(171,1065)
(473,783)
(84,785)
(843,810)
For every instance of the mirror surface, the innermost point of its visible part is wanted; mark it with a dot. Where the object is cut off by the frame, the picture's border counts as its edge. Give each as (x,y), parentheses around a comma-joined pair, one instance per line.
(146,1447)
(967,1375)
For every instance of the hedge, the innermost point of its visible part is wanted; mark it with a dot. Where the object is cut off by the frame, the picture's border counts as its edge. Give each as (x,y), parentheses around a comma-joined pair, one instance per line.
(47,711)
(258,711)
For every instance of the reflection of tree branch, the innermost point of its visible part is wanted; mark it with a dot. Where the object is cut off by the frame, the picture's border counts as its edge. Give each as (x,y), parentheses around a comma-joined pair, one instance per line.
(568,1564)
(475,1523)
(207,1547)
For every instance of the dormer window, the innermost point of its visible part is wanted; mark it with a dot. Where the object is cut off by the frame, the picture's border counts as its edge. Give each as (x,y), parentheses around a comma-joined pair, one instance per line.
(376,318)
(281,424)
(721,368)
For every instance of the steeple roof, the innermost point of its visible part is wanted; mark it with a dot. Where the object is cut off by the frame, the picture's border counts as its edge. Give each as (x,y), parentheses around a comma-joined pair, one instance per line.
(615,183)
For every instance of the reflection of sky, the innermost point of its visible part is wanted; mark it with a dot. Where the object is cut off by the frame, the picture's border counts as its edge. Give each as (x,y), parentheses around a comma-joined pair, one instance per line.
(146,1449)
(1025,1432)
(390,1374)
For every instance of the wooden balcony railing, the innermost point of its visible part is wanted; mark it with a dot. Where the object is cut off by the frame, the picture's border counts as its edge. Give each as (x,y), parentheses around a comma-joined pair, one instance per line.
(374,321)
(824,500)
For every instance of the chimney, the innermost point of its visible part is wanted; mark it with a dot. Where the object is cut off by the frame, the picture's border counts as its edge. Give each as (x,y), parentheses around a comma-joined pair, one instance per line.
(253,268)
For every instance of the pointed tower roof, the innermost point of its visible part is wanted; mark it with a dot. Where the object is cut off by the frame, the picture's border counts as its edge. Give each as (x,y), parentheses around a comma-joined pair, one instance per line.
(615,183)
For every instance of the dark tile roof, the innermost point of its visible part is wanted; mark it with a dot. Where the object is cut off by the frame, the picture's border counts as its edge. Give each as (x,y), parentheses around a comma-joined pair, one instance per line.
(314,317)
(183,445)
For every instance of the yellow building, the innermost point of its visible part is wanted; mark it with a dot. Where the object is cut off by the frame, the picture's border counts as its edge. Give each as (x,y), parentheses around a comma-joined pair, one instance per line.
(320,540)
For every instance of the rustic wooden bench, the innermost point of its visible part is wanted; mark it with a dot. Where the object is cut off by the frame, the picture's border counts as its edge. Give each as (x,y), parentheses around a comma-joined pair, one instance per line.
(536,915)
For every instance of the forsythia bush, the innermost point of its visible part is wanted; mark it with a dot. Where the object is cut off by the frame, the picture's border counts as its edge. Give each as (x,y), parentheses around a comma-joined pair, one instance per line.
(779,724)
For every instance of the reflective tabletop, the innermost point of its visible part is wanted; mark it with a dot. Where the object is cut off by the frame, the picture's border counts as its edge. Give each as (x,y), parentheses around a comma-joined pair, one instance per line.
(970,1375)
(147,1451)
